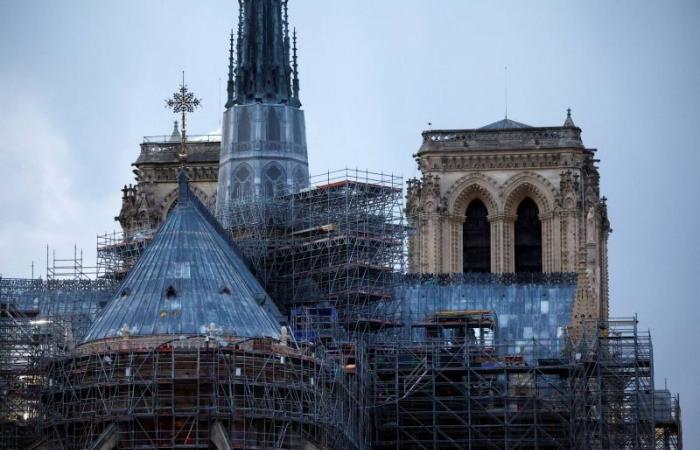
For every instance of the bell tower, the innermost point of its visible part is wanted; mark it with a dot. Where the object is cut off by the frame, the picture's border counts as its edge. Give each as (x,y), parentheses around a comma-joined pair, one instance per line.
(263,147)
(511,198)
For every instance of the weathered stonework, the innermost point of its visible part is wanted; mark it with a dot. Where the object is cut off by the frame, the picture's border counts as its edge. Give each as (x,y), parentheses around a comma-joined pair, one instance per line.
(501,166)
(146,204)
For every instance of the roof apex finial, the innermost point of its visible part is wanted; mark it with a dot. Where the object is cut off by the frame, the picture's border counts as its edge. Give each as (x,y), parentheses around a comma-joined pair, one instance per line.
(569,122)
(175,136)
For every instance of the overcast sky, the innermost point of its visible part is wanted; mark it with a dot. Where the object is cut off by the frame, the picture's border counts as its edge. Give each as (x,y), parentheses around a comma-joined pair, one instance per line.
(81,82)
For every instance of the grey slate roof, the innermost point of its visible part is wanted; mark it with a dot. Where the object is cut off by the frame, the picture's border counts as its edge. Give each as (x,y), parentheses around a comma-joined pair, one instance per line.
(189,281)
(505,124)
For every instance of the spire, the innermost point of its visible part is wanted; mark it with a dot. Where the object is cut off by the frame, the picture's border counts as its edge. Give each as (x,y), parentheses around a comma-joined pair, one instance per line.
(239,45)
(230,85)
(263,73)
(175,136)
(569,122)
(295,72)
(285,4)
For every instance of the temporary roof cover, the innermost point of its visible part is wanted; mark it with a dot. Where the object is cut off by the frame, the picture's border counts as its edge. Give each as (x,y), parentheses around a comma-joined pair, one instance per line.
(189,281)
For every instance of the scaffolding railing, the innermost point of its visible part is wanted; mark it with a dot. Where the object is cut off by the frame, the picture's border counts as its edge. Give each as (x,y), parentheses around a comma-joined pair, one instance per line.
(25,340)
(456,386)
(117,252)
(334,244)
(614,401)
(450,381)
(39,319)
(667,414)
(260,393)
(67,268)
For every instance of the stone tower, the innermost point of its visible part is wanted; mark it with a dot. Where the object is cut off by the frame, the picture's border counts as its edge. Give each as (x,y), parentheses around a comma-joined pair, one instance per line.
(511,198)
(263,148)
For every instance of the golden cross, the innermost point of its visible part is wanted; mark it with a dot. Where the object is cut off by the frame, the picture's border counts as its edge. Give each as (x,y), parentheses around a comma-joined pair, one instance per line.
(183,101)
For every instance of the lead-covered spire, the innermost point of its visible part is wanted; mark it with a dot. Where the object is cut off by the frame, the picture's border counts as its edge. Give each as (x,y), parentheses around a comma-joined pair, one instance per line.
(295,72)
(230,87)
(263,72)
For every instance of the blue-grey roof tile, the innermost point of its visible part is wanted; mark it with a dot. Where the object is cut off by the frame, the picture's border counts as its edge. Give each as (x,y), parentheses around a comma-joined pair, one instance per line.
(189,281)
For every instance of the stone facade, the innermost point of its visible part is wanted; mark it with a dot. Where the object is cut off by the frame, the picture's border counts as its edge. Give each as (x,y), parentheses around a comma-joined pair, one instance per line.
(146,204)
(501,165)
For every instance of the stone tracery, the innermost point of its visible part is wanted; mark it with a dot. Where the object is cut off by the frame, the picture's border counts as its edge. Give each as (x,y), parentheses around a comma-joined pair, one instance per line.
(502,168)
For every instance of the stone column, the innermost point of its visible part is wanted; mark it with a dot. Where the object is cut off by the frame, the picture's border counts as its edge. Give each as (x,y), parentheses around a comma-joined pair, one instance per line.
(548,242)
(568,238)
(557,244)
(429,245)
(502,247)
(453,244)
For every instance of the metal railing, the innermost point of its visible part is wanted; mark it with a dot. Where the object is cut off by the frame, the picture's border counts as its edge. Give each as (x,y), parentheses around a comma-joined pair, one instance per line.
(168,139)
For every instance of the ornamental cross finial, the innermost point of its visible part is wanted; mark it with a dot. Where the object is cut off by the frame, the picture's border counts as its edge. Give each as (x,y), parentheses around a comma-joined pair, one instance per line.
(183,101)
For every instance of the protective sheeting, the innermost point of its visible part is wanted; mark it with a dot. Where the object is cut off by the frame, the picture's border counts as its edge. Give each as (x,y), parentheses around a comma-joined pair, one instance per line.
(527,307)
(71,302)
(189,281)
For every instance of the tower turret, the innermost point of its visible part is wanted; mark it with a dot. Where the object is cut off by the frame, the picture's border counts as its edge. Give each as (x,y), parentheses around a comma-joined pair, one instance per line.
(263,147)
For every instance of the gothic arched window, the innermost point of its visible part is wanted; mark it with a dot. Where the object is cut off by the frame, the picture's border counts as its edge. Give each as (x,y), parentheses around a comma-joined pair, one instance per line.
(273,181)
(273,126)
(528,238)
(242,182)
(477,238)
(244,126)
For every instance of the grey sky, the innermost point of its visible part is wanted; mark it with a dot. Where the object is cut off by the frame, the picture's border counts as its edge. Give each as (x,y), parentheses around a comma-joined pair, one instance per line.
(82,81)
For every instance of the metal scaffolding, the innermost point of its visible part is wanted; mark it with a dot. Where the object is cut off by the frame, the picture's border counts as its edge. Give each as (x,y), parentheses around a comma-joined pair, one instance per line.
(460,386)
(191,392)
(613,387)
(117,252)
(39,319)
(336,244)
(667,412)
(372,358)
(26,338)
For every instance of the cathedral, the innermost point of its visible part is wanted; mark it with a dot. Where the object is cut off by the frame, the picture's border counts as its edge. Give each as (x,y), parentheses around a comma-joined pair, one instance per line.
(249,305)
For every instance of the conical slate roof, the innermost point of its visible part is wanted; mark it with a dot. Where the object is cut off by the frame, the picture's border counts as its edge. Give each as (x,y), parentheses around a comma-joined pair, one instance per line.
(189,281)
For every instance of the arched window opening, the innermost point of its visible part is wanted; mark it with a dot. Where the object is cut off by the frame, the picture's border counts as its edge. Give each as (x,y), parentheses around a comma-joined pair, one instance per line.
(273,181)
(477,238)
(244,126)
(528,238)
(273,126)
(242,182)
